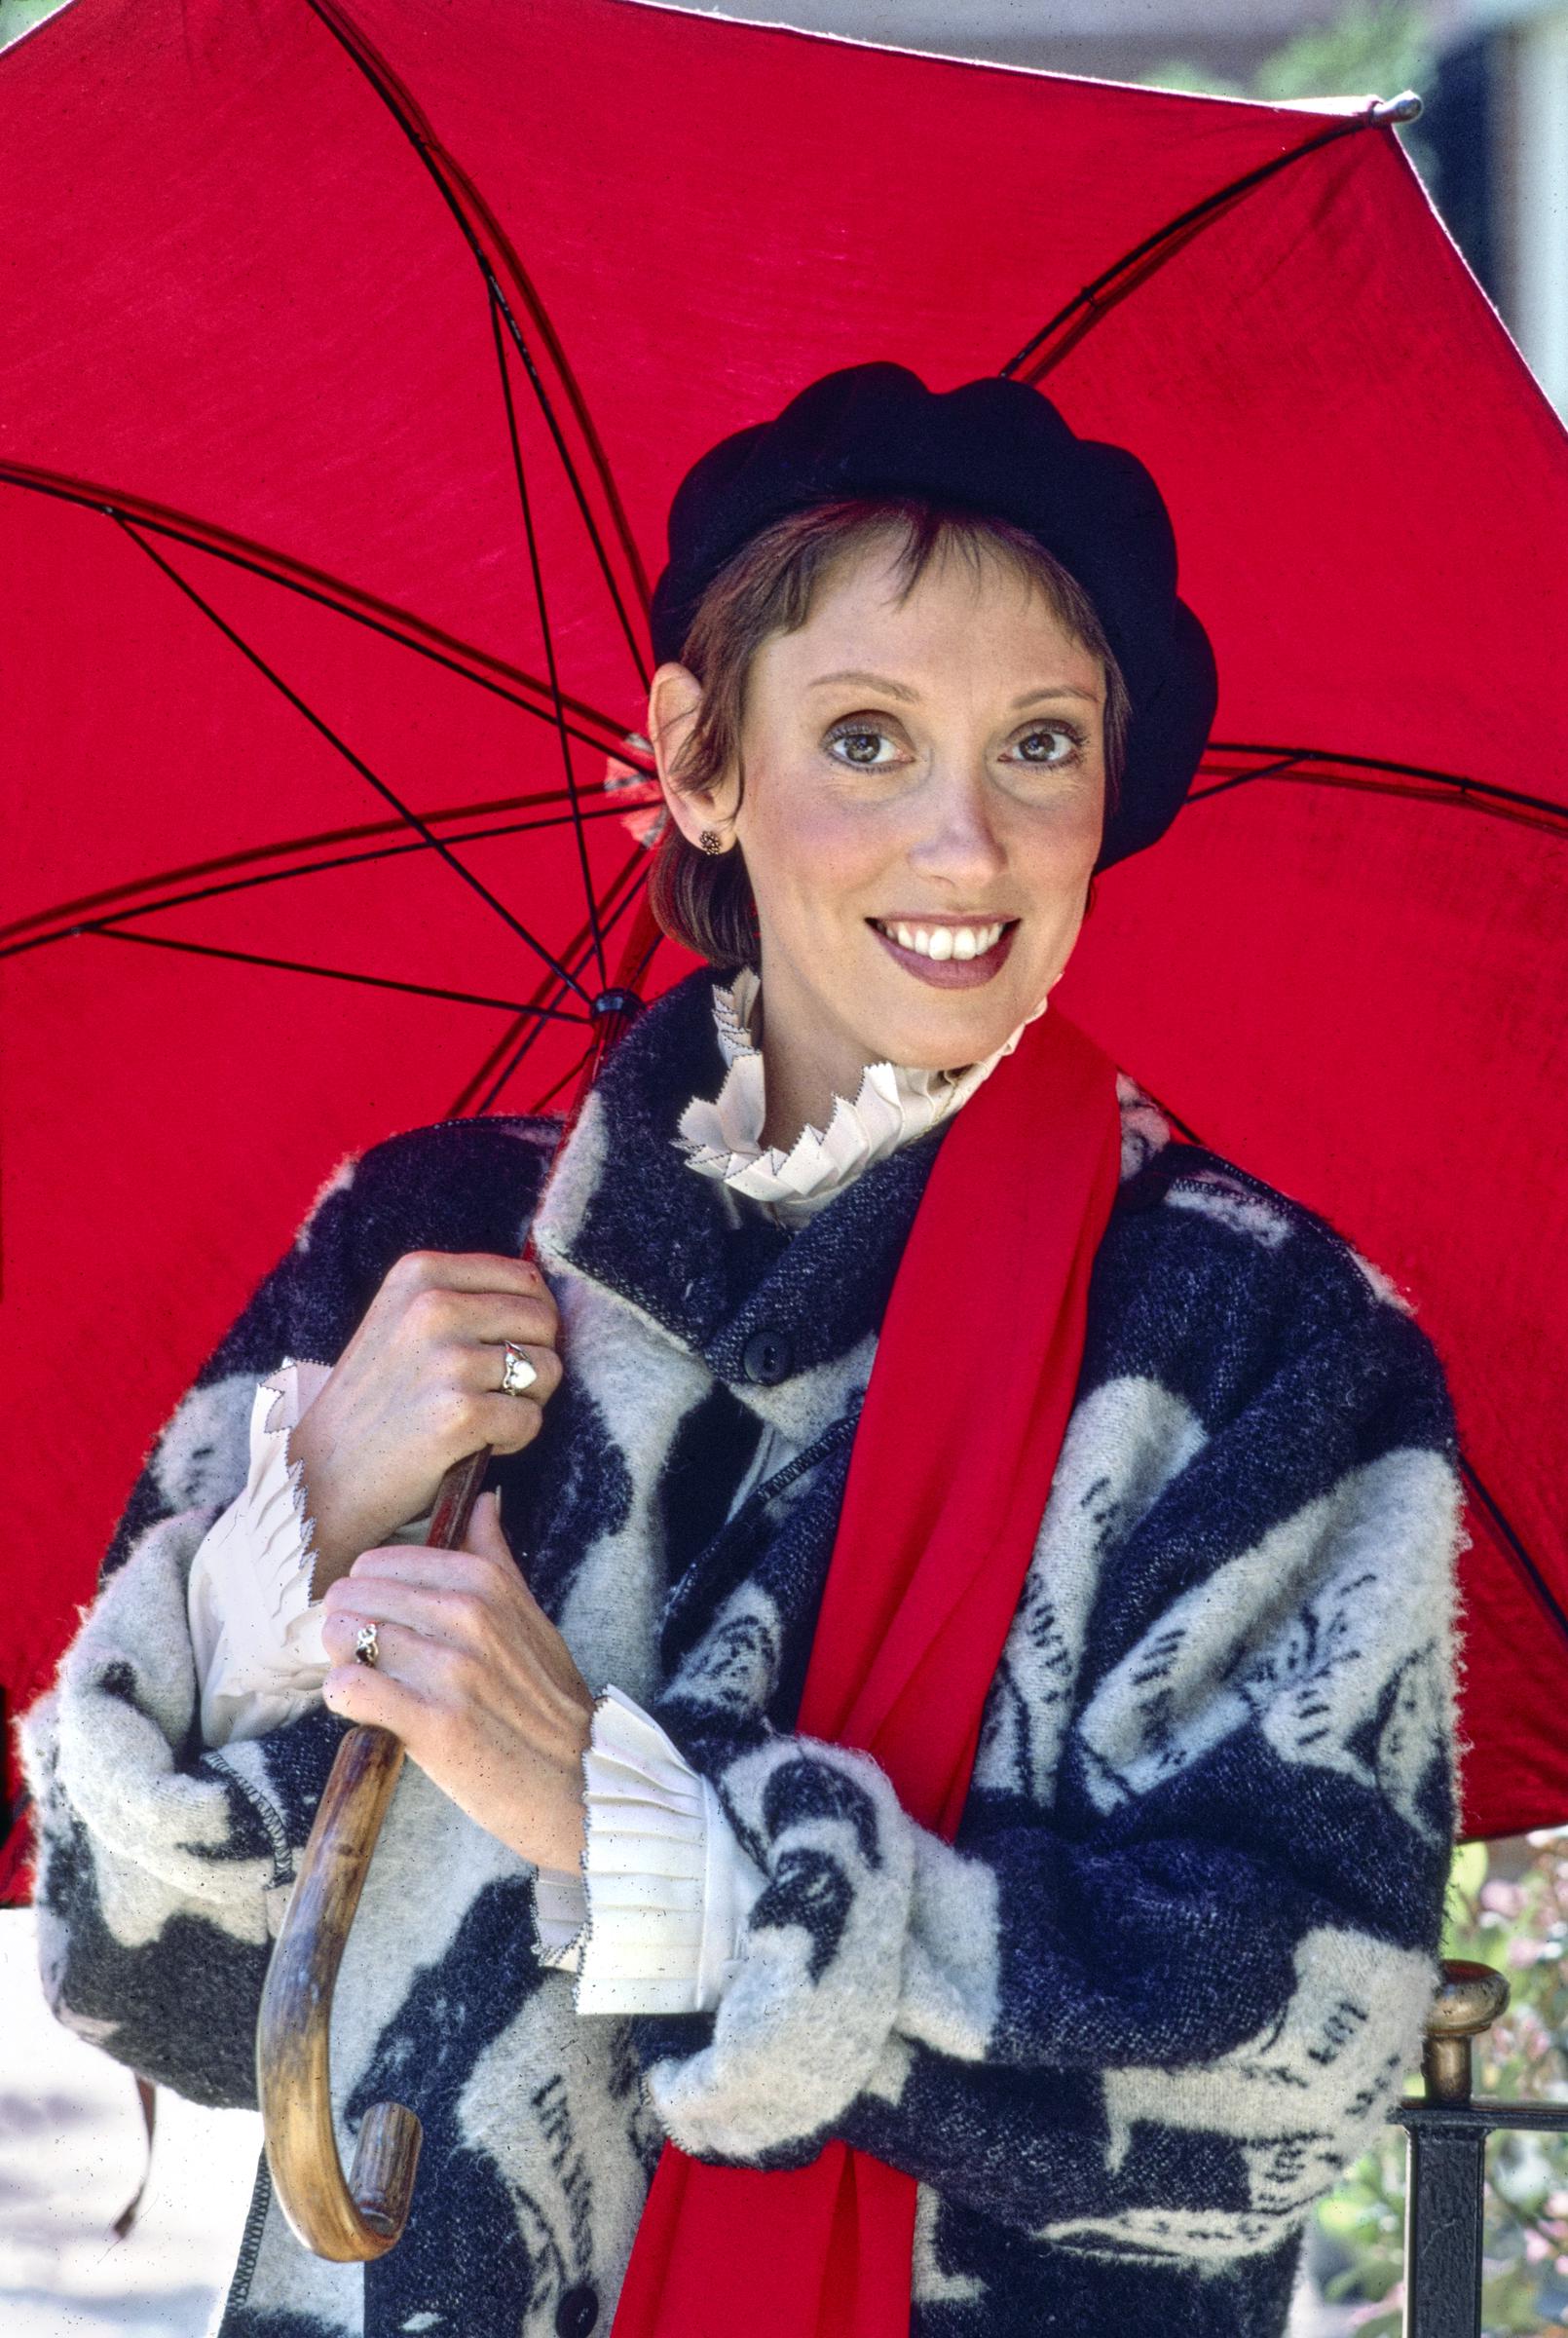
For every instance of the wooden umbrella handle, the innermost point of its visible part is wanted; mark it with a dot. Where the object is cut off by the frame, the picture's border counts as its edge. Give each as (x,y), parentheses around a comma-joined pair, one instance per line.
(361,2215)
(352,2218)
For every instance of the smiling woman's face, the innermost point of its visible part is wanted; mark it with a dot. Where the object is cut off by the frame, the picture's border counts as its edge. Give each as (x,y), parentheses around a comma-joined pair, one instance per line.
(925,789)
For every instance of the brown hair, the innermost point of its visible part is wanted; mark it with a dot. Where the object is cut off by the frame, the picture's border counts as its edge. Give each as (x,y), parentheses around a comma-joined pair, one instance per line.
(705,902)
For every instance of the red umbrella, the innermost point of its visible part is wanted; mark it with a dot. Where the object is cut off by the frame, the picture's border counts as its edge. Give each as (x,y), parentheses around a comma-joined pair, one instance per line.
(350,354)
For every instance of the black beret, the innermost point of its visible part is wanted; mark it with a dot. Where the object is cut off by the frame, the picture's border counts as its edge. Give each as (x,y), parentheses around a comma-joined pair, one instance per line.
(993,447)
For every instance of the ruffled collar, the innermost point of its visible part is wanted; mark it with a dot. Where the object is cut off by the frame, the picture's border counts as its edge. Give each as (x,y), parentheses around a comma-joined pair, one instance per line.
(722,1136)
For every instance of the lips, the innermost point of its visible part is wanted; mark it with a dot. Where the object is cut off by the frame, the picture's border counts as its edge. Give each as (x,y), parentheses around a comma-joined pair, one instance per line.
(948,955)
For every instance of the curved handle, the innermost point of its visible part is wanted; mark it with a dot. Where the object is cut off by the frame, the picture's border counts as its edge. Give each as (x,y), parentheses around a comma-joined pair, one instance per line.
(361,2215)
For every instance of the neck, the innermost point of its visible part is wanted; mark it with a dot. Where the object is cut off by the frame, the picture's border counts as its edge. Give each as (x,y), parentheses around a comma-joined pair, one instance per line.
(808,1064)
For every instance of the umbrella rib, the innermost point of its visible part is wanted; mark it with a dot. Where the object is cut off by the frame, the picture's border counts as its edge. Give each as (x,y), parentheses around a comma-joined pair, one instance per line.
(1222,787)
(406,812)
(400,105)
(509,1073)
(527,1041)
(462,1103)
(1089,303)
(294,965)
(1286,758)
(519,342)
(274,567)
(572,1072)
(1515,1542)
(14,943)
(546,630)
(458,1108)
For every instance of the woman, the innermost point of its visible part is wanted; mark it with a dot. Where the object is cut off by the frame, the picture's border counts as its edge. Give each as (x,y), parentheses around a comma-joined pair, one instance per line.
(1134,1575)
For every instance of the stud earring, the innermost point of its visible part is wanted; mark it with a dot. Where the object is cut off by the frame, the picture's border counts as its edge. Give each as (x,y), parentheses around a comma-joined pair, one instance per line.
(710,841)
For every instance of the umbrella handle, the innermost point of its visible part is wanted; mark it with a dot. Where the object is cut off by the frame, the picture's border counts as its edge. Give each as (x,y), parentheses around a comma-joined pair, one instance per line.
(354,2218)
(351,2218)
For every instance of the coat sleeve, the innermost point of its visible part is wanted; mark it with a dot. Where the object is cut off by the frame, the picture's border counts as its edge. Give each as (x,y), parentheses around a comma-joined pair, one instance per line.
(1166,1984)
(164,1864)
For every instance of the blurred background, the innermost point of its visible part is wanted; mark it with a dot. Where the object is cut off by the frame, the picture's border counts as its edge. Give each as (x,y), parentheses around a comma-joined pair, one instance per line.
(1492,151)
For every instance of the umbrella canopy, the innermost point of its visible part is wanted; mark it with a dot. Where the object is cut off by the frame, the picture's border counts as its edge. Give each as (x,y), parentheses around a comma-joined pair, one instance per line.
(351,355)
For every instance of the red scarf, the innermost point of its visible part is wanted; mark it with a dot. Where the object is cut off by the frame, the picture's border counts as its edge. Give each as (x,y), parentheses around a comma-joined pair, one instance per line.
(953,1457)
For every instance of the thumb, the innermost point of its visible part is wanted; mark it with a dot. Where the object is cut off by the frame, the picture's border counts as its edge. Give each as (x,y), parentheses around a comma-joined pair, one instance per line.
(486,1537)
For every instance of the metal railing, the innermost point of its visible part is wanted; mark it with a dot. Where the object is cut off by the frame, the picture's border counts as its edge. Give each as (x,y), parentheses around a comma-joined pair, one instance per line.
(1448,2128)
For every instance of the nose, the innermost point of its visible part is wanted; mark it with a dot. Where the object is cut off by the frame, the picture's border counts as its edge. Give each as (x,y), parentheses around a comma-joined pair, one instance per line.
(959,845)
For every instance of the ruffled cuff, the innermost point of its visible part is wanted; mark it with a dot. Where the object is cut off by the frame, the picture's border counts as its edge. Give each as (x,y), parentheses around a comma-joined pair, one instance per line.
(560,1918)
(654,1923)
(255,1621)
(254,1631)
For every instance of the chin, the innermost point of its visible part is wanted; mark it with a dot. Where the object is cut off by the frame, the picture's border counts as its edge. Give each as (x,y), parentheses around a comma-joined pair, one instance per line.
(945,1032)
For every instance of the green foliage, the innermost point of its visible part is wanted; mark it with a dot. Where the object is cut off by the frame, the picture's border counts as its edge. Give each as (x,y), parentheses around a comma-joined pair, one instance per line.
(1179,73)
(17,17)
(1507,1907)
(1369,50)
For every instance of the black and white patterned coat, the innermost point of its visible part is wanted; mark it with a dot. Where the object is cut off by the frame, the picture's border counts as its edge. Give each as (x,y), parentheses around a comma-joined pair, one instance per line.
(1166,1983)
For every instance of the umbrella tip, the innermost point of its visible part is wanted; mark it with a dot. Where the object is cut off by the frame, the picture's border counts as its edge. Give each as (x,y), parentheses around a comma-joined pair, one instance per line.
(1407,108)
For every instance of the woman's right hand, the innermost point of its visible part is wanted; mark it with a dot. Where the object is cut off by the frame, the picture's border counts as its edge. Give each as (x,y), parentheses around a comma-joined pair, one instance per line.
(417,1388)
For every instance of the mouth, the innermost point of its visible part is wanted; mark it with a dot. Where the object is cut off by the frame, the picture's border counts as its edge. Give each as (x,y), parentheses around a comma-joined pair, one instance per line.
(951,953)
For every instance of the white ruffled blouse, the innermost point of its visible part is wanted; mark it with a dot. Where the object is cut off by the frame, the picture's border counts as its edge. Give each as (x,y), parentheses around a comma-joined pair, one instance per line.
(724,1138)
(652,1922)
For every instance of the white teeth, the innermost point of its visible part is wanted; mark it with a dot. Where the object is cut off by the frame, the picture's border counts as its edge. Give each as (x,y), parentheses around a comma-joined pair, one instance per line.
(946,941)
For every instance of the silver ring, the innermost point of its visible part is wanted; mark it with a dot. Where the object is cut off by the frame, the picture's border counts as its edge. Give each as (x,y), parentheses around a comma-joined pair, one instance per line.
(365,1650)
(517,1373)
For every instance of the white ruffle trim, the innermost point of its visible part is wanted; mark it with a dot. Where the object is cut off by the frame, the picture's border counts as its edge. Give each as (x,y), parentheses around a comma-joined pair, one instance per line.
(653,1923)
(723,1136)
(254,1628)
(255,1623)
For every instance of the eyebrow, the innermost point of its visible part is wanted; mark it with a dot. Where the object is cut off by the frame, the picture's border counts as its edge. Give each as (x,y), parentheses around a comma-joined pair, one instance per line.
(901,689)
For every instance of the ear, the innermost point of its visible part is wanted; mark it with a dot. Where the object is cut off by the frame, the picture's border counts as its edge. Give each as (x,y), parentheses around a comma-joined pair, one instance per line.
(674,702)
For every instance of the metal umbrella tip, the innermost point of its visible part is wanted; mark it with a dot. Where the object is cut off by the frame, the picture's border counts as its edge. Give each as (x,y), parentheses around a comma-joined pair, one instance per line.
(1407,108)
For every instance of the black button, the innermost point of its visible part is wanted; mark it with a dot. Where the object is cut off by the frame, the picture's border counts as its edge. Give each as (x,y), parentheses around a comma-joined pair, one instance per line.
(766,1358)
(576,2312)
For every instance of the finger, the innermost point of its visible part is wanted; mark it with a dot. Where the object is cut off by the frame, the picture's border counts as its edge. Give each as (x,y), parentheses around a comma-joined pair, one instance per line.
(396,1639)
(483,1318)
(442,1614)
(486,1537)
(468,1270)
(506,1423)
(364,1693)
(462,1572)
(386,1602)
(482,1369)
(464,1417)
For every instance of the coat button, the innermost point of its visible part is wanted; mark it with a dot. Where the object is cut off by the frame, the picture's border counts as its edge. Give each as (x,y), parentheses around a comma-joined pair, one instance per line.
(576,2312)
(766,1358)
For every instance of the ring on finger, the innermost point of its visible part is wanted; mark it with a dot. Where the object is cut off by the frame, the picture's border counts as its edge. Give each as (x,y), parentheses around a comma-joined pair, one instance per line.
(518,1373)
(365,1650)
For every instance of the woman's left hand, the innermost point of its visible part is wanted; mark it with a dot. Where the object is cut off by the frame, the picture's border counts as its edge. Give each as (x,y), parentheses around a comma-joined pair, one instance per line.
(473,1677)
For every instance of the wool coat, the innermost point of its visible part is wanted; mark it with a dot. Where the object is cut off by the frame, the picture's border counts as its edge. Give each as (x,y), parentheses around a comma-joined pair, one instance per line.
(1152,2000)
